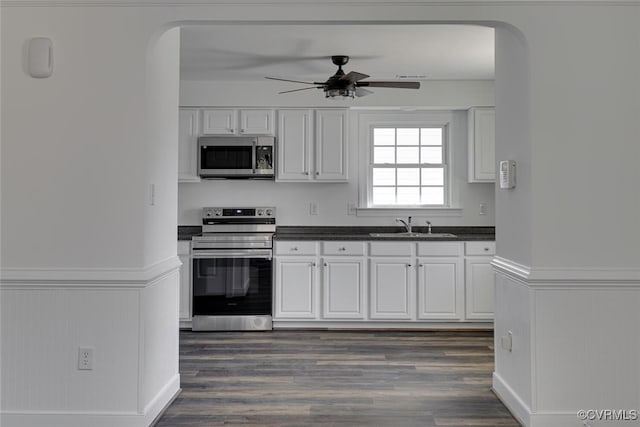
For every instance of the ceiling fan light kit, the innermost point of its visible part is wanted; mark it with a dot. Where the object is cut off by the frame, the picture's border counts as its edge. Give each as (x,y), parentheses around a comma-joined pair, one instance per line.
(350,85)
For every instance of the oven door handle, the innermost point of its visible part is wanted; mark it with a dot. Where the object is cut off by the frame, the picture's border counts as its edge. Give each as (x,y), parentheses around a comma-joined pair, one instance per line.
(266,254)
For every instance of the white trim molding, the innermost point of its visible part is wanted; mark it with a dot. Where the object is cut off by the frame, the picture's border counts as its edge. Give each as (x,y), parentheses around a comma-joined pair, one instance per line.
(540,277)
(405,3)
(84,277)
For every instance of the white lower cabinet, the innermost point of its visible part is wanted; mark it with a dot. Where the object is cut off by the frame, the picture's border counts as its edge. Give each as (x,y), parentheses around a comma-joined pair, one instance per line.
(392,287)
(440,288)
(388,282)
(479,280)
(342,288)
(184,297)
(295,288)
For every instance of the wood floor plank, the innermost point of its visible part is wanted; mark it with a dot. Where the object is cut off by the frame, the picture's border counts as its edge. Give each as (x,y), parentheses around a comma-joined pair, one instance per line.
(336,379)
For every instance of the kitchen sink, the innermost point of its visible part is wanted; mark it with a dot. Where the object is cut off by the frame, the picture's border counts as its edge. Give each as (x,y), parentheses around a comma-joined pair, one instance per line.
(406,235)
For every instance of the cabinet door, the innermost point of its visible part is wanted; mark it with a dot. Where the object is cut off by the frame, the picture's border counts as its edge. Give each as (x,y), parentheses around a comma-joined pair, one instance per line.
(392,289)
(479,283)
(295,288)
(256,122)
(188,145)
(185,289)
(219,121)
(440,288)
(482,137)
(294,143)
(331,146)
(342,288)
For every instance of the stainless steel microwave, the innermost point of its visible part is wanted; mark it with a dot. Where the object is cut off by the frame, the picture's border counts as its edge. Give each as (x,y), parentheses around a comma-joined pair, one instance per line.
(236,157)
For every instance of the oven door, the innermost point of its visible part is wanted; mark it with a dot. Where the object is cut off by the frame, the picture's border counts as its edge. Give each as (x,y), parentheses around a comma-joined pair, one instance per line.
(232,282)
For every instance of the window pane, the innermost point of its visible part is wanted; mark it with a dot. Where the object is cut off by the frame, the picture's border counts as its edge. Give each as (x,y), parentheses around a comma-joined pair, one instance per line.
(432,196)
(384,195)
(384,155)
(407,155)
(384,176)
(431,136)
(431,155)
(432,176)
(408,136)
(409,176)
(409,195)
(384,136)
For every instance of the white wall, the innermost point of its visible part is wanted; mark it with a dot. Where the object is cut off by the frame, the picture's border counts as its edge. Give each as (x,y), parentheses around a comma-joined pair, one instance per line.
(433,94)
(293,199)
(89,125)
(86,261)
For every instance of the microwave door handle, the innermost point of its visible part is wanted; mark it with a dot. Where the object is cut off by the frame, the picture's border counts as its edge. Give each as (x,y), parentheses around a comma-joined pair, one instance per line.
(254,158)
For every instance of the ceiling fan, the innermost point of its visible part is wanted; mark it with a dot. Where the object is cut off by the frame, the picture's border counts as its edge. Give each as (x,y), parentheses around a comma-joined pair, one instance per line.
(347,85)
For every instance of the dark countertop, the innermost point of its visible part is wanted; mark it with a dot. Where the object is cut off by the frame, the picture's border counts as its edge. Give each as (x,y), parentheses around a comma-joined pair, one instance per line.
(185,232)
(362,233)
(284,233)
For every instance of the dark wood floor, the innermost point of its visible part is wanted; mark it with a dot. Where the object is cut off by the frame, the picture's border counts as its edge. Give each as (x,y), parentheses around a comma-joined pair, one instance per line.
(334,378)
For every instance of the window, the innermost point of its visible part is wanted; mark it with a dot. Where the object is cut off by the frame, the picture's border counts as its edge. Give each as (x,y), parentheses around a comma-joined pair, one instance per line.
(408,166)
(405,162)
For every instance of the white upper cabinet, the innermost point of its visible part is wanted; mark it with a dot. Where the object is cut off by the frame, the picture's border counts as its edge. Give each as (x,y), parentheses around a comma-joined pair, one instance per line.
(331,146)
(482,139)
(187,141)
(231,121)
(312,145)
(294,145)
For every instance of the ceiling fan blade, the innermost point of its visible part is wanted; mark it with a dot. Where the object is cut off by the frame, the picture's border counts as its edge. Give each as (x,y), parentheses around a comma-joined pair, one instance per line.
(399,85)
(292,81)
(362,92)
(298,90)
(353,76)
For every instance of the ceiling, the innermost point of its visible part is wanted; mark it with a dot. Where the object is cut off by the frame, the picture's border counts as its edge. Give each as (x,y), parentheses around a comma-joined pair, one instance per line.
(302,52)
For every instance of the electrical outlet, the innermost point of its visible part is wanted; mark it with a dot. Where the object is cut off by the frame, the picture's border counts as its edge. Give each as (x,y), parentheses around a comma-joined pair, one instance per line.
(313,208)
(152,195)
(351,208)
(506,341)
(85,358)
(483,208)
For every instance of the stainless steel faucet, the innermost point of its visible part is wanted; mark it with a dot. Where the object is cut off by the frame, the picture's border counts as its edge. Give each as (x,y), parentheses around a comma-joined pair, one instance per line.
(407,223)
(429,227)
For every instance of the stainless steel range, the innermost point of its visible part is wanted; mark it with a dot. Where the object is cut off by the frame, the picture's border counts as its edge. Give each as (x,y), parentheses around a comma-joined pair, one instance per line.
(233,269)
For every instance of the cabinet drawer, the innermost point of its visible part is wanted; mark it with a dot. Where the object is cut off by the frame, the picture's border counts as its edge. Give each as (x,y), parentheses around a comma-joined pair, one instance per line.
(439,248)
(343,248)
(295,248)
(391,248)
(480,248)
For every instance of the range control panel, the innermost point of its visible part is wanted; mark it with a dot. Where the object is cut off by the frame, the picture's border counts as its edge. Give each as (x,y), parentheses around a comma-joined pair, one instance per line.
(261,212)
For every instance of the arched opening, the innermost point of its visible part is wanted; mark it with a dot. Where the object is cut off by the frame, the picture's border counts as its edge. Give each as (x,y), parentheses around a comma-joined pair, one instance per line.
(512,142)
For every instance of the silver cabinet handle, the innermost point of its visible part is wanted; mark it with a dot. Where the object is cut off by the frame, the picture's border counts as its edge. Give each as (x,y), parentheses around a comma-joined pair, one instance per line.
(409,265)
(325,264)
(313,264)
(295,248)
(486,249)
(317,173)
(420,265)
(305,173)
(342,248)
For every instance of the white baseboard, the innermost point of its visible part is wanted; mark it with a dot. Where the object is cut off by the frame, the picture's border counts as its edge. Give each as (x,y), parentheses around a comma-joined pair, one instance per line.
(91,419)
(162,400)
(511,400)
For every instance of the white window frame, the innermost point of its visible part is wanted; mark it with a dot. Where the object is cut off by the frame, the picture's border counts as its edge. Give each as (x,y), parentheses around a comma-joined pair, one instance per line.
(367,121)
